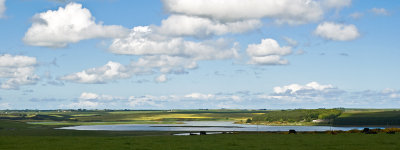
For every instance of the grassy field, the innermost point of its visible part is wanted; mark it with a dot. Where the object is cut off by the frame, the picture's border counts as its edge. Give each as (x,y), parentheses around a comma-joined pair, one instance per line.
(220,142)
(363,117)
(16,135)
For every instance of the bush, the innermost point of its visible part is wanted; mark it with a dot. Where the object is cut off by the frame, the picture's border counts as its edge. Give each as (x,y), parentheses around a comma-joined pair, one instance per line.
(248,120)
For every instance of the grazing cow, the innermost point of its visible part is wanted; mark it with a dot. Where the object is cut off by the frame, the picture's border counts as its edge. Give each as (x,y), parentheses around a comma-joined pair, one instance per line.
(203,133)
(365,130)
(369,131)
(292,131)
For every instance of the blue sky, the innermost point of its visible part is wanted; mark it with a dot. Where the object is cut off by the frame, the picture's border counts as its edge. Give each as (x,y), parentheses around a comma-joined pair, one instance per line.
(177,54)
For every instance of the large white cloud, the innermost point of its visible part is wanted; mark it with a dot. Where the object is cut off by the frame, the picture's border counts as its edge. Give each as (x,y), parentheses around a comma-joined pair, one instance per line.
(283,11)
(164,64)
(168,54)
(17,70)
(143,41)
(182,25)
(311,92)
(337,31)
(268,52)
(296,88)
(109,72)
(2,8)
(58,28)
(145,65)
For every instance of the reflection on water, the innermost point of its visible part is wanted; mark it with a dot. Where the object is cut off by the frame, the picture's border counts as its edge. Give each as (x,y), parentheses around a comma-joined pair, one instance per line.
(204,126)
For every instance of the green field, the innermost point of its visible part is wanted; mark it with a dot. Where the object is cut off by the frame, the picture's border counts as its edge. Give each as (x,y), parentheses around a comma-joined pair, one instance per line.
(368,117)
(15,135)
(34,129)
(220,142)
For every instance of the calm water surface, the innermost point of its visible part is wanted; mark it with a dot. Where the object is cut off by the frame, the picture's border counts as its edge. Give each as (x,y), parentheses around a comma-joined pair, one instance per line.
(205,126)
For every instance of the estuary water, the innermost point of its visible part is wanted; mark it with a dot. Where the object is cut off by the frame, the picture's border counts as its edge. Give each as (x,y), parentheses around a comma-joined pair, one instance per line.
(205,126)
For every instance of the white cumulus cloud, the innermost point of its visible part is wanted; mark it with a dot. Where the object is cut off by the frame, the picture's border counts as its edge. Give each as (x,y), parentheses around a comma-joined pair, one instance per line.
(200,96)
(143,41)
(94,96)
(109,72)
(283,11)
(268,52)
(145,65)
(295,88)
(17,70)
(182,25)
(164,64)
(58,28)
(311,92)
(337,31)
(2,8)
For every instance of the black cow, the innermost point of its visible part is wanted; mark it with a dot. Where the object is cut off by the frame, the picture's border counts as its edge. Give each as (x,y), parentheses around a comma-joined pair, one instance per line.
(292,131)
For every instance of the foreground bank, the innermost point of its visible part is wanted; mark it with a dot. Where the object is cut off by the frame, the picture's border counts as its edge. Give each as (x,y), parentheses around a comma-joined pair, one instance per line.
(16,135)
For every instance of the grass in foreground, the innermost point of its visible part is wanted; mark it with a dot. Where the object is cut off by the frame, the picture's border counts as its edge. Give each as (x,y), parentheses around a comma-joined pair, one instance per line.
(224,141)
(19,135)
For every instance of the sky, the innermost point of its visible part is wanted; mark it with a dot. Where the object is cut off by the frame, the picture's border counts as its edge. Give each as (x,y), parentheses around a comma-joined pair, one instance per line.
(199,54)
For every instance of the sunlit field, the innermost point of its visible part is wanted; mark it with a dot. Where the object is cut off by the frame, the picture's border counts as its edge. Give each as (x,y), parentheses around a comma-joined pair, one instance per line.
(18,132)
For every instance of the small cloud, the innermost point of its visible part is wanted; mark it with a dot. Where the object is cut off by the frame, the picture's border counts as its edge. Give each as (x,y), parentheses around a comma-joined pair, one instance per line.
(161,79)
(380,11)
(268,52)
(337,31)
(300,52)
(291,42)
(344,54)
(85,96)
(356,15)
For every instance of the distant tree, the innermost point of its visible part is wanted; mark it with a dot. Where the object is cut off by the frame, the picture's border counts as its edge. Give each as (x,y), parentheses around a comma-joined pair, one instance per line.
(248,120)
